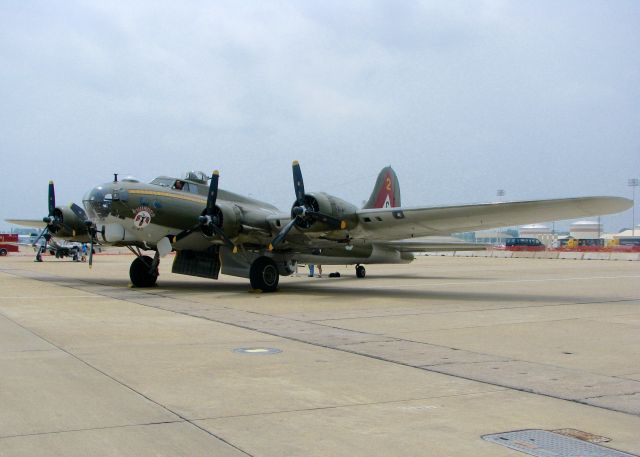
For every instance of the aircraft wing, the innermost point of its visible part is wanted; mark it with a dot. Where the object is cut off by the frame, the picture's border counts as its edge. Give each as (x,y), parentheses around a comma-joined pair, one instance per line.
(402,223)
(31,223)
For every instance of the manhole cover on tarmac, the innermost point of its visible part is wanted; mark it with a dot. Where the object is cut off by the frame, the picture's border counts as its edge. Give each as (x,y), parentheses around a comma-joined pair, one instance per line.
(257,351)
(542,443)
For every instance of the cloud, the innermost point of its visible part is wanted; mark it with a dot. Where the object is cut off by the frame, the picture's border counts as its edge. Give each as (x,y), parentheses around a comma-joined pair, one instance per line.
(452,93)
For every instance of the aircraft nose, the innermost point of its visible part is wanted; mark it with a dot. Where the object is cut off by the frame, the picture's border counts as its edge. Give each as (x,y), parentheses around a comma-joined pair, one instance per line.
(95,195)
(98,200)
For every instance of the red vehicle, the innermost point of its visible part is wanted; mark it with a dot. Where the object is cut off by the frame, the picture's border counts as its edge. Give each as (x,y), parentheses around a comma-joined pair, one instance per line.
(8,243)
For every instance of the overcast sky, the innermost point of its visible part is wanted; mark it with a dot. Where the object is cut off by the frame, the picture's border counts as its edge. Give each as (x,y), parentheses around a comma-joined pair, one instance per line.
(540,98)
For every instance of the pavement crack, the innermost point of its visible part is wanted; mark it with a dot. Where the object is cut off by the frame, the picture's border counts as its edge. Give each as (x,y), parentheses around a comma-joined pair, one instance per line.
(121,383)
(110,427)
(628,394)
(352,405)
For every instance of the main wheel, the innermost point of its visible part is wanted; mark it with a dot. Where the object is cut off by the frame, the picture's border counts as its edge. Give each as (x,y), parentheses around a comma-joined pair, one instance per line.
(141,274)
(3,252)
(264,274)
(361,272)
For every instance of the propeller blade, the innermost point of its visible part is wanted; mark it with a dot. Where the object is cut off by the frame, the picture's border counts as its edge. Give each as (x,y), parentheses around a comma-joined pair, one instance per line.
(91,252)
(298,183)
(279,238)
(93,232)
(218,231)
(78,211)
(47,237)
(52,199)
(46,229)
(186,233)
(213,193)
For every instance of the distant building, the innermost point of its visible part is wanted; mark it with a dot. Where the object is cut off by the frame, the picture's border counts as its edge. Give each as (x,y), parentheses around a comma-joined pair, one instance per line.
(539,231)
(626,237)
(495,236)
(628,232)
(586,230)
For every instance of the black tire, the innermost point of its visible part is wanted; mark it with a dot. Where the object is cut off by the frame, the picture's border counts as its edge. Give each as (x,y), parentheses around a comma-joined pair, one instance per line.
(361,271)
(140,274)
(3,252)
(264,274)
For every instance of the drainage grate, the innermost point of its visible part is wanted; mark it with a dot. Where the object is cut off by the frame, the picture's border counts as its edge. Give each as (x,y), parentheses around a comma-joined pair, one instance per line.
(542,443)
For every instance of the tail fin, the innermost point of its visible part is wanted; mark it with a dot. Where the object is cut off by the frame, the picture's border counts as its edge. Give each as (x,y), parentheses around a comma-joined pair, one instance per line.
(386,192)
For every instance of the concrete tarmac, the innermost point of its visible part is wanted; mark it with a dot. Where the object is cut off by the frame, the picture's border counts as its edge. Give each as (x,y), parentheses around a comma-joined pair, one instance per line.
(414,360)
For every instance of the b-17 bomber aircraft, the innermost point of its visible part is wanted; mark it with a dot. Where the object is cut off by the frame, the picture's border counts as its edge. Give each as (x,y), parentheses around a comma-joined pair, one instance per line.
(213,231)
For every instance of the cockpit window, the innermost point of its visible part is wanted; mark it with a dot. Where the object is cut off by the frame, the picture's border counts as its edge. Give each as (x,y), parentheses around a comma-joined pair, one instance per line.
(164,182)
(176,184)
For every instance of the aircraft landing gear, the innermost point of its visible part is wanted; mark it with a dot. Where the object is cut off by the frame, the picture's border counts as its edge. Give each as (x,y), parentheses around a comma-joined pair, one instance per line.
(264,274)
(360,271)
(143,273)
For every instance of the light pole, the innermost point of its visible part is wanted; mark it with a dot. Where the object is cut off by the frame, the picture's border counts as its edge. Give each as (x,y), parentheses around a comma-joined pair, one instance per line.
(633,183)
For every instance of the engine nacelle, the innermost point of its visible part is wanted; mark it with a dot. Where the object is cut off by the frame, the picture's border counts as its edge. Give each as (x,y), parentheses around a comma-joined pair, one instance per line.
(71,226)
(326,204)
(228,218)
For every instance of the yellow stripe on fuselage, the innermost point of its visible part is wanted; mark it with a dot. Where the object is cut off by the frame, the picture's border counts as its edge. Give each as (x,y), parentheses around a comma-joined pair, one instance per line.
(152,193)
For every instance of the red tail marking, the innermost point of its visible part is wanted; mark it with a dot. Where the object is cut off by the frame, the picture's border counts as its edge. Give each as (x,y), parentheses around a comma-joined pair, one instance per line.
(386,195)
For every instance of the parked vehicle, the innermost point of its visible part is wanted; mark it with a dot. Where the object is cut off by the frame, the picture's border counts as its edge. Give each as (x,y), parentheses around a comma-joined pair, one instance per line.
(523,244)
(8,243)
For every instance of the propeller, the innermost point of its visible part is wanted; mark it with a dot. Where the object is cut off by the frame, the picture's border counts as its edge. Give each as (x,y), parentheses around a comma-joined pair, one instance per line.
(52,222)
(305,211)
(210,221)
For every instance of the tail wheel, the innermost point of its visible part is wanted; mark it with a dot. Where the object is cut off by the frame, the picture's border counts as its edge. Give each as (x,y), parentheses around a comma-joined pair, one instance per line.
(361,271)
(264,274)
(140,272)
